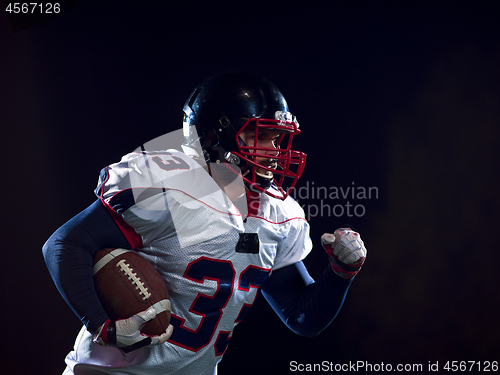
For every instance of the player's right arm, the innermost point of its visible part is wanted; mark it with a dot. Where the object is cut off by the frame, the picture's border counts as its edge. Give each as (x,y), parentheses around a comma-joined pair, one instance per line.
(111,221)
(69,255)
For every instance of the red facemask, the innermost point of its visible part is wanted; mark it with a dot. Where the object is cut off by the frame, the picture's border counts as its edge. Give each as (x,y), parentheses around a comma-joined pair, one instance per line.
(288,163)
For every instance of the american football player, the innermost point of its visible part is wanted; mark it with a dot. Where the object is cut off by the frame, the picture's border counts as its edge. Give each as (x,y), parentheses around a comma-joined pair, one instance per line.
(217,222)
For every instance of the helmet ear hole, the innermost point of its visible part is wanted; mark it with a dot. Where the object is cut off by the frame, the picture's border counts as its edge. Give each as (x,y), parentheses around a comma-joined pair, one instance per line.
(224,121)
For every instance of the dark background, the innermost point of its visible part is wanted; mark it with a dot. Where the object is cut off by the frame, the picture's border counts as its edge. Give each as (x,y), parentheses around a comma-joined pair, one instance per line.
(398,97)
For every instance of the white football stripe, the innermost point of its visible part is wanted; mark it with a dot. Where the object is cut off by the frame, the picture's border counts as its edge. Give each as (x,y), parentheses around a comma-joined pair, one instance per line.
(105,259)
(161,306)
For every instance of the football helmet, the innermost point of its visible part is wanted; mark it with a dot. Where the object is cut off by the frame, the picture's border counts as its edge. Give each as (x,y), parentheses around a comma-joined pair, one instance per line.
(224,106)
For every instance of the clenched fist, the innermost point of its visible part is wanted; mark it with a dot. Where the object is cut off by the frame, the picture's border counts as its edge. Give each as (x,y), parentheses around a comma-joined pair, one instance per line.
(346,251)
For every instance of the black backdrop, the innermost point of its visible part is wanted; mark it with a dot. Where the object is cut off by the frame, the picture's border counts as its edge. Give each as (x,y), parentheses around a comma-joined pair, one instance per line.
(403,99)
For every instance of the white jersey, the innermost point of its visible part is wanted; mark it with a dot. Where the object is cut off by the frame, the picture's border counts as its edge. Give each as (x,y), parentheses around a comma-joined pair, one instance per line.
(212,258)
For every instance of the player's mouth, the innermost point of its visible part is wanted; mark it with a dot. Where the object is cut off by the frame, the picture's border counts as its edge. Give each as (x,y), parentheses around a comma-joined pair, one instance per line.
(271,163)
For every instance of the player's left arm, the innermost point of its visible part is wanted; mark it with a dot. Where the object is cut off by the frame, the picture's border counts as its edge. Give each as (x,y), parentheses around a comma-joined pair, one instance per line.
(306,306)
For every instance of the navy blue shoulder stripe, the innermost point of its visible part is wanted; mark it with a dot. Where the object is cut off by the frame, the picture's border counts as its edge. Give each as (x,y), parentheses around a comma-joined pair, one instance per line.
(125,199)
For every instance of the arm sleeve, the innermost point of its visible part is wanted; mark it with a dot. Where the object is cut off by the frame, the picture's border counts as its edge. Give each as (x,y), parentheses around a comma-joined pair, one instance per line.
(69,255)
(305,306)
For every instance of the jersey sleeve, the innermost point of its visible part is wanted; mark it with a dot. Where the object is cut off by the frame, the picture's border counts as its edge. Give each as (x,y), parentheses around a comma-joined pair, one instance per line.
(138,192)
(296,243)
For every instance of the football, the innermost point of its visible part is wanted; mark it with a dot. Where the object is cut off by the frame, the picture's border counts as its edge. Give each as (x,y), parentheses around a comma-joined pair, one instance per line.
(126,284)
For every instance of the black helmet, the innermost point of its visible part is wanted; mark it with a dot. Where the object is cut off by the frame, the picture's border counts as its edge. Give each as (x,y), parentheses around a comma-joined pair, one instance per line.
(225,105)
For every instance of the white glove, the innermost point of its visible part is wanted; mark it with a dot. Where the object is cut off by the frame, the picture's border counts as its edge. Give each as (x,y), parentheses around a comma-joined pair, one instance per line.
(346,251)
(125,334)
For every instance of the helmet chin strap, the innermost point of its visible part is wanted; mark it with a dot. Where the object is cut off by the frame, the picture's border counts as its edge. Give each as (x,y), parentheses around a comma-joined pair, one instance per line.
(261,180)
(264,176)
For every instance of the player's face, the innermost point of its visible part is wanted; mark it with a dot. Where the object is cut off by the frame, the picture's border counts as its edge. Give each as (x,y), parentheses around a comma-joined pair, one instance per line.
(266,138)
